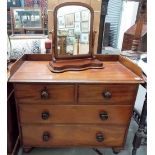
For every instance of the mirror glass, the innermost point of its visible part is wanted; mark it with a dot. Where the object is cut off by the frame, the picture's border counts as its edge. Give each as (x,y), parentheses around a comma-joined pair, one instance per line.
(73,30)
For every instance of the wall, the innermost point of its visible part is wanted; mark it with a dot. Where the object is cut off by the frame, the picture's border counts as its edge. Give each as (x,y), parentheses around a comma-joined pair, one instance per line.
(95,4)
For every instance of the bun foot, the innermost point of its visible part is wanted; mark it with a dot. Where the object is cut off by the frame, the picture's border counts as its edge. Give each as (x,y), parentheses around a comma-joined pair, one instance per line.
(27,149)
(116,150)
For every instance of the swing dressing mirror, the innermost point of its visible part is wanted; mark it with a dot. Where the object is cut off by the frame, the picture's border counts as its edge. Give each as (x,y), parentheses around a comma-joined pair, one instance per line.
(73,38)
(73,30)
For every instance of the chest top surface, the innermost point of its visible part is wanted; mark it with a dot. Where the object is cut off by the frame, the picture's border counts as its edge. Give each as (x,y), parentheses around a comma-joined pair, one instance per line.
(113,72)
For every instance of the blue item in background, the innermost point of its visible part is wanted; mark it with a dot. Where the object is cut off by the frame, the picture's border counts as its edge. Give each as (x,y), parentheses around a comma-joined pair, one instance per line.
(14,3)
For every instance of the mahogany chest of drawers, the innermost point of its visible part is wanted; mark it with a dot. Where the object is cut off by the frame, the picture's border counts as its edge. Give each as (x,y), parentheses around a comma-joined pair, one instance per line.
(90,108)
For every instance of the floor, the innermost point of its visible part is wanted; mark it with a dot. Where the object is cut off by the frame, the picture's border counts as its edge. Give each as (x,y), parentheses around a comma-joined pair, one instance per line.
(87,151)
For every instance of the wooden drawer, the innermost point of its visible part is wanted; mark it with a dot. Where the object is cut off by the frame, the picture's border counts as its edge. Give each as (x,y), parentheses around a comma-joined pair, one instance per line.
(108,94)
(103,114)
(72,135)
(44,93)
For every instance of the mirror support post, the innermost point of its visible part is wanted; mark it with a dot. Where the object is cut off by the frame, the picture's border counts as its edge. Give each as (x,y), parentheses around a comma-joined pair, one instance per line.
(104,7)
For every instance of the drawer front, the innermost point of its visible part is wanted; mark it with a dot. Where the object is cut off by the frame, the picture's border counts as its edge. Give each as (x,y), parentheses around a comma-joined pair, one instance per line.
(103,114)
(108,94)
(72,135)
(44,93)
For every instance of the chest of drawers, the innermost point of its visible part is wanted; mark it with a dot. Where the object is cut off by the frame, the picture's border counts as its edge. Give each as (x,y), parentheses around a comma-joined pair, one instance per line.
(90,108)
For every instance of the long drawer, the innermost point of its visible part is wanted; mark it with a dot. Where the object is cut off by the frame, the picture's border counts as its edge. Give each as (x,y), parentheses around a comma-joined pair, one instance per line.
(44,93)
(72,135)
(107,94)
(104,114)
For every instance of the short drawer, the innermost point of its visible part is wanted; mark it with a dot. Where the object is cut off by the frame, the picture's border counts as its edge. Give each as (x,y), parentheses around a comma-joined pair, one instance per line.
(44,93)
(106,114)
(107,94)
(72,135)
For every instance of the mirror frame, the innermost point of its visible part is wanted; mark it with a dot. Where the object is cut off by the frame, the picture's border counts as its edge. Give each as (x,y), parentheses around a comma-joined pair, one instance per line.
(90,53)
(26,9)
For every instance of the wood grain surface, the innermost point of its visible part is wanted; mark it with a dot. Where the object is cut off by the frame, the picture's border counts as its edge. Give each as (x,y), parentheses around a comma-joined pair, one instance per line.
(37,71)
(31,93)
(72,135)
(74,114)
(120,94)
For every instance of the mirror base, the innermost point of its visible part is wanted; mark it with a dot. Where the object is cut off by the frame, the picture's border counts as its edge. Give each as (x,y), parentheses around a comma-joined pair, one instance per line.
(60,66)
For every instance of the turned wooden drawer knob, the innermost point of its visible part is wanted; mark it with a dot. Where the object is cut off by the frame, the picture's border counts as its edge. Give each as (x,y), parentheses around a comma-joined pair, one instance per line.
(103,115)
(100,137)
(46,136)
(107,95)
(44,94)
(45,115)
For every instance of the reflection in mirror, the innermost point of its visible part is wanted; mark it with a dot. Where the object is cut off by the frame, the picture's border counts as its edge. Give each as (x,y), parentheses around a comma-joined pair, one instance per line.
(73,30)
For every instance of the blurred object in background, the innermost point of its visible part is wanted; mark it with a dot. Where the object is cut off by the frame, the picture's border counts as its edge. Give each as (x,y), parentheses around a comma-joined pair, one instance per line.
(129,36)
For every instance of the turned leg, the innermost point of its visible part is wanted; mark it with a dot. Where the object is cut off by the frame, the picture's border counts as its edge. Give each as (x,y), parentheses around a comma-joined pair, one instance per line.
(140,133)
(137,141)
(134,151)
(27,149)
(116,150)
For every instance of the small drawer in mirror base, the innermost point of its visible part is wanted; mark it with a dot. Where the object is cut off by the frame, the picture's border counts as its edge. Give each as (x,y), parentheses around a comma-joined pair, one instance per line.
(73,135)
